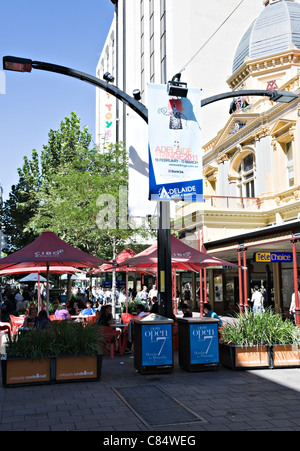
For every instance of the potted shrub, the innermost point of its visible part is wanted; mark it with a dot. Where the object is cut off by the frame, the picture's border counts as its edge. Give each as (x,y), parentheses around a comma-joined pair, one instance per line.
(65,351)
(260,341)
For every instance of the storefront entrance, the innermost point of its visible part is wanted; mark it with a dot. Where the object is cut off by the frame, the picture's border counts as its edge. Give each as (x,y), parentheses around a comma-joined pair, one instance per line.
(272,258)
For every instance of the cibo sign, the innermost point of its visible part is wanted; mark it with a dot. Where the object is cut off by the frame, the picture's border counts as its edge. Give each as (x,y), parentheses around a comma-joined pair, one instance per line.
(273,257)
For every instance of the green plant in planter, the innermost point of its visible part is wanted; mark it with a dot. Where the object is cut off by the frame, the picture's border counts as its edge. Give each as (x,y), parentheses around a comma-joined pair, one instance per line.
(61,338)
(132,306)
(264,329)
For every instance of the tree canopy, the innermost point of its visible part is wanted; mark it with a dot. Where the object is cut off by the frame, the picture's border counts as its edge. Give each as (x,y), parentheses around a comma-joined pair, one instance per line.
(73,190)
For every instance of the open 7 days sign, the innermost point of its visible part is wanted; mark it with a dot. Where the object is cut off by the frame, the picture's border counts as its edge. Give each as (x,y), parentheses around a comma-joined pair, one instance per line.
(204,343)
(157,347)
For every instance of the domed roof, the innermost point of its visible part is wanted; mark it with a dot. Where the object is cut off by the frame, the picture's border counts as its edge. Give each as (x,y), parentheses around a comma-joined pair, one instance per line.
(274,30)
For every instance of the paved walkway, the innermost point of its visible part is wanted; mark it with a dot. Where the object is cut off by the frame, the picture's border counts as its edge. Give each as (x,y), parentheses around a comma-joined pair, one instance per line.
(222,400)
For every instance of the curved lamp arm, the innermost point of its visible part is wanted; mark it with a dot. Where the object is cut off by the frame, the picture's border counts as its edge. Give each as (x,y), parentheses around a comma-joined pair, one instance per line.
(26,65)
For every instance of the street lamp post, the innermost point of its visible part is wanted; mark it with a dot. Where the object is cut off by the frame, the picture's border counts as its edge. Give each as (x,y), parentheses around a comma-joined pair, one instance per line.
(164,269)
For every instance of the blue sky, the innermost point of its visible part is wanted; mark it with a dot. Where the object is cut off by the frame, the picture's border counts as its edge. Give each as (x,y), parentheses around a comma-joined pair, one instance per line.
(66,32)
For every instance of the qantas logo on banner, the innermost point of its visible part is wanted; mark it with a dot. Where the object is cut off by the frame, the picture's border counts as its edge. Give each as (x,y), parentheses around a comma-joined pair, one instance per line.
(48,254)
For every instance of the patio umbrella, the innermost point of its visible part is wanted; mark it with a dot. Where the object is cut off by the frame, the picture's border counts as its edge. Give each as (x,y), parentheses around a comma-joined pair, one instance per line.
(123,256)
(49,250)
(33,277)
(182,257)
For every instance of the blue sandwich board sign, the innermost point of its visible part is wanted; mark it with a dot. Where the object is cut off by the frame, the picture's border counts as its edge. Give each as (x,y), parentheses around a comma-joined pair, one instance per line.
(204,343)
(157,346)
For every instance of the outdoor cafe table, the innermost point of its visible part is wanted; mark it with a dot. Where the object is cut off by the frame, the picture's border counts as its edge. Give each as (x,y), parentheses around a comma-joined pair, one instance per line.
(82,318)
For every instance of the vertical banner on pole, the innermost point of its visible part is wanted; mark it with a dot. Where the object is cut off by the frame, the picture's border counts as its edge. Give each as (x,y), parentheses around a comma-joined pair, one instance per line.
(175,149)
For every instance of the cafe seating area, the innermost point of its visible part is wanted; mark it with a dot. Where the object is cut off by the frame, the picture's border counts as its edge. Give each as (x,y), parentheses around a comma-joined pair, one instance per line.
(116,335)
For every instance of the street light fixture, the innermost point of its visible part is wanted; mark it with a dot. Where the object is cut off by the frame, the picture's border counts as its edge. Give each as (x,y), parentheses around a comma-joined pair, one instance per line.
(137,94)
(275,96)
(108,77)
(17,64)
(283,96)
(175,88)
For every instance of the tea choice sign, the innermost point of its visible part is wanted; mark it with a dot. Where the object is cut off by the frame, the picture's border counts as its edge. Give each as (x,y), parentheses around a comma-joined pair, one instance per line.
(204,343)
(157,346)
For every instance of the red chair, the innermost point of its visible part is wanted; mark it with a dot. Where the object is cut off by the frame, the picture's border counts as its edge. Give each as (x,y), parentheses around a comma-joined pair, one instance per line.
(15,323)
(123,340)
(91,319)
(111,335)
(127,317)
(7,330)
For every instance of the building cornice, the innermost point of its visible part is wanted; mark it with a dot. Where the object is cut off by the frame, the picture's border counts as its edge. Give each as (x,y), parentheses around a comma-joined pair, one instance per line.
(264,66)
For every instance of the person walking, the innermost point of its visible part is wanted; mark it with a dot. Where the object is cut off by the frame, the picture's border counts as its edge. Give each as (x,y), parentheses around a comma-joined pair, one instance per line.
(293,306)
(258,301)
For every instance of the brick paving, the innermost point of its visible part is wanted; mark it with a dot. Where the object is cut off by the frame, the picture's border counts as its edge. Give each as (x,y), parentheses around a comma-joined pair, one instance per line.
(256,400)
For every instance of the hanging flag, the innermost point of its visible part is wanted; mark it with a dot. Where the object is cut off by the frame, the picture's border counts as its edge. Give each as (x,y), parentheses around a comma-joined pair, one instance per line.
(175,148)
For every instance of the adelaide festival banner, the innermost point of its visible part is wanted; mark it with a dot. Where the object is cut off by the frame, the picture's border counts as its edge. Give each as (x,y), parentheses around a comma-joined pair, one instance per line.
(175,148)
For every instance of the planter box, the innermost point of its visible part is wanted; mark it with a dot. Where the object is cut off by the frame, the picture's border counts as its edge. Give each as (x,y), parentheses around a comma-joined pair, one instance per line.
(25,371)
(285,356)
(238,357)
(20,371)
(83,368)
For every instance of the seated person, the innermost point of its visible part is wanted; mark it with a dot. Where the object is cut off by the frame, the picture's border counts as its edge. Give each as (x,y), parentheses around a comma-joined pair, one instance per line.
(154,308)
(208,313)
(186,311)
(88,311)
(7,309)
(42,321)
(72,307)
(105,317)
(31,317)
(62,312)
(140,310)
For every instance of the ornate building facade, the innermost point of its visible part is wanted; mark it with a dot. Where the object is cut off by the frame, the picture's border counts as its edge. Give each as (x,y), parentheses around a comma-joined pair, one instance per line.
(252,169)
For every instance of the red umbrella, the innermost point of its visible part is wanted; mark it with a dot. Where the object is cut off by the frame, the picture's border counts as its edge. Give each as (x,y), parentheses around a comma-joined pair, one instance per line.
(108,267)
(124,255)
(182,257)
(49,250)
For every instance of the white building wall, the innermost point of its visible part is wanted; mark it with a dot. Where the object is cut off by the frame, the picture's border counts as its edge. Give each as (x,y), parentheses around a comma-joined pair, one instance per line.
(189,25)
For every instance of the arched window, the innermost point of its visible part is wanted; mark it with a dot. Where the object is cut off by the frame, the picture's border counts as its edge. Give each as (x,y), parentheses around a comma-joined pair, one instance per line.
(246,176)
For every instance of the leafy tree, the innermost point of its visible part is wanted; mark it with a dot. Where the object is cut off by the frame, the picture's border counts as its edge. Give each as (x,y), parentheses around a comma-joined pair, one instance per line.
(64,145)
(83,193)
(74,190)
